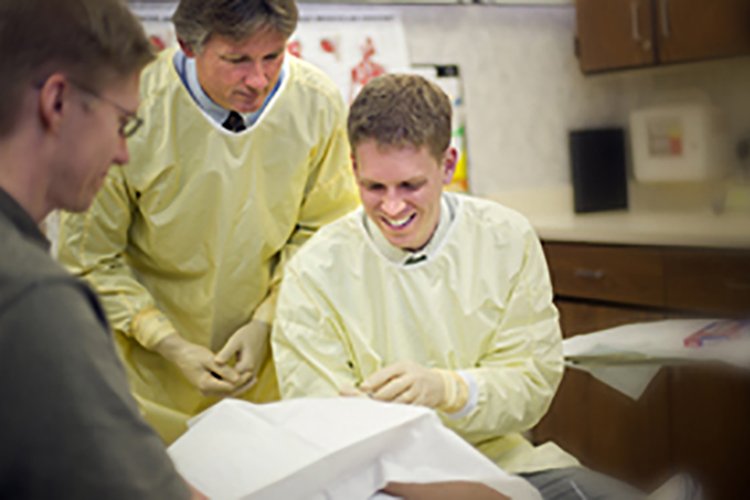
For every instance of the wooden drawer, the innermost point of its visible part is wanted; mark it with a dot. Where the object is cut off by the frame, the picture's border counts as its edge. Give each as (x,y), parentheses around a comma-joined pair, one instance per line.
(581,317)
(609,273)
(709,281)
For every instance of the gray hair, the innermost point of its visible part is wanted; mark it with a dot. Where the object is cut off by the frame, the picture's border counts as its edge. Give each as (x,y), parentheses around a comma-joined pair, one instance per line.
(196,20)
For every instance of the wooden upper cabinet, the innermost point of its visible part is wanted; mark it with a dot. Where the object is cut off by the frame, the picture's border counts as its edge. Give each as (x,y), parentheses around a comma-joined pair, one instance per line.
(614,34)
(620,34)
(700,29)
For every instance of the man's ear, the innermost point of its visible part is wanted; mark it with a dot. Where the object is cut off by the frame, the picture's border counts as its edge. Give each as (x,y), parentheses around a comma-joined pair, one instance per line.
(52,101)
(450,159)
(354,162)
(187,49)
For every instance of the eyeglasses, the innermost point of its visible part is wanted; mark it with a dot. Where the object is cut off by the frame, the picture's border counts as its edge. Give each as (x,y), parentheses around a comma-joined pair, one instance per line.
(129,121)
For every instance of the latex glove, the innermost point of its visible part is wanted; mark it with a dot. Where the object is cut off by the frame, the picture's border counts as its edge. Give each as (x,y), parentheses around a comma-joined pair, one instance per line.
(406,382)
(349,391)
(199,367)
(411,383)
(247,347)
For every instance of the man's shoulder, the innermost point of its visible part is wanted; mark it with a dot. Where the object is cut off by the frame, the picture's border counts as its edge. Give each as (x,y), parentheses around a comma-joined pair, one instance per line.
(491,215)
(336,238)
(25,265)
(306,78)
(159,76)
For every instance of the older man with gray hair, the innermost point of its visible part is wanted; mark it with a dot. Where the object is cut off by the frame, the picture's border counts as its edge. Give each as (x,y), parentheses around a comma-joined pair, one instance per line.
(243,156)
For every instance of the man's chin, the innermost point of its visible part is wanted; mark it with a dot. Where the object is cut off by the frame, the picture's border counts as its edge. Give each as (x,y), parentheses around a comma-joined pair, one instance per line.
(245,106)
(80,205)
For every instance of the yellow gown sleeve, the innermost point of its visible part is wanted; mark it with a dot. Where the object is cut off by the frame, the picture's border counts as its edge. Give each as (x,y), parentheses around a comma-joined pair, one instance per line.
(518,375)
(309,351)
(330,194)
(92,246)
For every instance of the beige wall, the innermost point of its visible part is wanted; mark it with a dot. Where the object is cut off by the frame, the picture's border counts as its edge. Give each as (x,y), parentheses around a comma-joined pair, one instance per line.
(524,91)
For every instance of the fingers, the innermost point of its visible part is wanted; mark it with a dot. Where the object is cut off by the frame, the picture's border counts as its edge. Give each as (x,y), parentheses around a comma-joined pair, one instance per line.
(247,381)
(212,386)
(393,389)
(247,360)
(224,372)
(410,396)
(248,355)
(351,392)
(229,350)
(381,377)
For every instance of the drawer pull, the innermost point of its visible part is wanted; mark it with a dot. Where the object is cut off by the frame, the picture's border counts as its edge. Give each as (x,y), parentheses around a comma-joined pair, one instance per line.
(591,274)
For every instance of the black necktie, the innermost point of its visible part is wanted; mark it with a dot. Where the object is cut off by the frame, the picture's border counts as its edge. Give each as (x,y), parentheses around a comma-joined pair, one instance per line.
(234,122)
(415,259)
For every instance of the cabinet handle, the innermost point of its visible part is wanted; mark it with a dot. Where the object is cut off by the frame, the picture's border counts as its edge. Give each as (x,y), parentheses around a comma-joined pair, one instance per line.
(664,18)
(591,274)
(634,24)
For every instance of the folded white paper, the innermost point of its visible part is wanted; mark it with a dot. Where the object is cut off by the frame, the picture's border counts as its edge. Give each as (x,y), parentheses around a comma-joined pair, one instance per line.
(333,449)
(628,357)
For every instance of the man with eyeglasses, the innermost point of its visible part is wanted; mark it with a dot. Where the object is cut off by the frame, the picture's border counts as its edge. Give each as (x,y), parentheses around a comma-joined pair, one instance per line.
(130,122)
(69,427)
(242,158)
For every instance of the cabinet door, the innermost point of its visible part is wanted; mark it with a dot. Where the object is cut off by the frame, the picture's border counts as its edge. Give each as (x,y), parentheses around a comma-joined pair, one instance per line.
(603,428)
(708,281)
(699,29)
(614,34)
(709,430)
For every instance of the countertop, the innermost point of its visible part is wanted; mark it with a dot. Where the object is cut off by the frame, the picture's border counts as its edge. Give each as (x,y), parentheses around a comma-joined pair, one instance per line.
(670,229)
(551,214)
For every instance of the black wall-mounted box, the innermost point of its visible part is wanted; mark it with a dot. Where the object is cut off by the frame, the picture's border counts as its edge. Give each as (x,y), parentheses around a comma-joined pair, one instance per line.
(598,169)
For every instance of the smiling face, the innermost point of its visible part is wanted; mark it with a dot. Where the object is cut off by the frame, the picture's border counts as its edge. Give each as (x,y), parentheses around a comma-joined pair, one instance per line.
(239,75)
(400,188)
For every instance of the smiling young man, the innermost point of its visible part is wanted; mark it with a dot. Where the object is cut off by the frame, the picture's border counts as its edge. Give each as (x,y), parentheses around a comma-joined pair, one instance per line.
(69,426)
(429,298)
(242,157)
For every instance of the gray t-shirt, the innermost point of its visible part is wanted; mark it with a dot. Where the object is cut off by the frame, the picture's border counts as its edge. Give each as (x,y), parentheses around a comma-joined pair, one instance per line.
(69,427)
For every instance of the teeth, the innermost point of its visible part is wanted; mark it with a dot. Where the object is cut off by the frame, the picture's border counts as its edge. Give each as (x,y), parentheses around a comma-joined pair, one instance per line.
(398,222)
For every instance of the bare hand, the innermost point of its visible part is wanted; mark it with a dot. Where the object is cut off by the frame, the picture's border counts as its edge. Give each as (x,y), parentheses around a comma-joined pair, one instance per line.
(447,490)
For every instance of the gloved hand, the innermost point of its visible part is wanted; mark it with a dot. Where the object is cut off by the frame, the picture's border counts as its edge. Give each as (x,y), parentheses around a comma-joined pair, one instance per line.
(197,364)
(248,347)
(349,391)
(410,383)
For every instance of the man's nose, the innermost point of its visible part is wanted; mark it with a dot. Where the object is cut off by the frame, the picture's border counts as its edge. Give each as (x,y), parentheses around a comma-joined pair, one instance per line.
(122,155)
(392,205)
(256,78)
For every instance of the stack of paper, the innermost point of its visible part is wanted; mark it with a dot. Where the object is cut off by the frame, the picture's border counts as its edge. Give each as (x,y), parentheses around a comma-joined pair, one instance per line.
(627,357)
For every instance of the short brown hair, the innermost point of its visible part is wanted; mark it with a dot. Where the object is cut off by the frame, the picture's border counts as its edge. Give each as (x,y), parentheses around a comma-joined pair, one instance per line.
(400,110)
(92,41)
(196,20)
